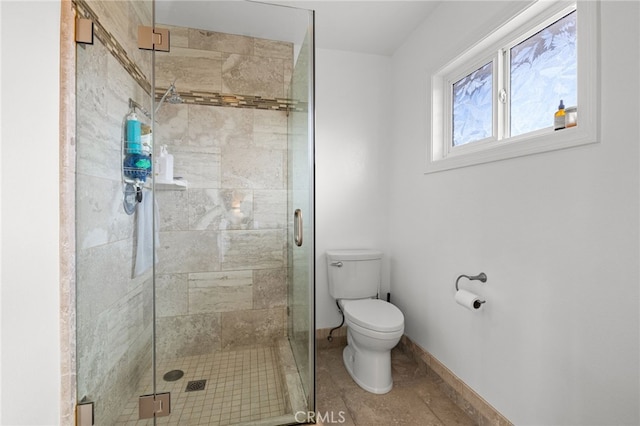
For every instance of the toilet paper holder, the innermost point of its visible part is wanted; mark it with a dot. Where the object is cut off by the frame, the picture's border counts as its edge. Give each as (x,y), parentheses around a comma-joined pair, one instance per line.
(482,277)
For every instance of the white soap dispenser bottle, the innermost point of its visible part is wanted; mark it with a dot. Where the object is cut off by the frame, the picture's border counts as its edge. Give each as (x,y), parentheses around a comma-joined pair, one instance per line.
(165,165)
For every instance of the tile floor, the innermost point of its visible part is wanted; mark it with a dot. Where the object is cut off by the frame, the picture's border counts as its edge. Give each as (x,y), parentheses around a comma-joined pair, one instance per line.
(242,386)
(247,386)
(415,398)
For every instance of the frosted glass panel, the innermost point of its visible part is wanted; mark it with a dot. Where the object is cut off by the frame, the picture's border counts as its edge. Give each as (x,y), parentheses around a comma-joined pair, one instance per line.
(543,71)
(472,106)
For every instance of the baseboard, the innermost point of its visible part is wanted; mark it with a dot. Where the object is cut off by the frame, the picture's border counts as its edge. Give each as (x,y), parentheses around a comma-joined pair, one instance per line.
(338,337)
(466,398)
(479,410)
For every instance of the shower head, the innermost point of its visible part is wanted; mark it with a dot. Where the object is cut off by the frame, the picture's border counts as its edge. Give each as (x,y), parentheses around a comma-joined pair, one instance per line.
(175,96)
(173,99)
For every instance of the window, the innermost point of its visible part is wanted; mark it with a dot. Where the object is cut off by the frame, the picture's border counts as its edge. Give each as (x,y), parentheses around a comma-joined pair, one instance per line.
(543,70)
(473,106)
(498,99)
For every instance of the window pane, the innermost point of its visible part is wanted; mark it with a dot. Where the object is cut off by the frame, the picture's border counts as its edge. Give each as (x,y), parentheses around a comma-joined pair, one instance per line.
(543,71)
(473,107)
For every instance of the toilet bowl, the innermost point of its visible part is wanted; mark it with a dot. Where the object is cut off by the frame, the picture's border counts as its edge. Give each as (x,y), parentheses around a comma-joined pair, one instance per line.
(374,327)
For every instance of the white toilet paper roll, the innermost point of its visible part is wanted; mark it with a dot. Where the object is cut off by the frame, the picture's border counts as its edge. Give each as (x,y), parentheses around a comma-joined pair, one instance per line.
(468,300)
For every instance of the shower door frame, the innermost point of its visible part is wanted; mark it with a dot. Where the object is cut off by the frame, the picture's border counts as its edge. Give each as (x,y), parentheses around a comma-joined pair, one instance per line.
(68,234)
(308,218)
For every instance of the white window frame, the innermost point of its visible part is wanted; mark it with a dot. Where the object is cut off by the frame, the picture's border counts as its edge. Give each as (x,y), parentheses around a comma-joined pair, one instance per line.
(450,80)
(442,155)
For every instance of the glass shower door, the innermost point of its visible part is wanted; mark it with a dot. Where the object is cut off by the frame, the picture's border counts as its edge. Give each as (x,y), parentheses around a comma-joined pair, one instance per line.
(114,311)
(222,342)
(301,276)
(194,284)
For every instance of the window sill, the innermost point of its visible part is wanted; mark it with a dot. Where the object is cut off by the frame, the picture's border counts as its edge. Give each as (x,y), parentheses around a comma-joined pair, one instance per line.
(538,142)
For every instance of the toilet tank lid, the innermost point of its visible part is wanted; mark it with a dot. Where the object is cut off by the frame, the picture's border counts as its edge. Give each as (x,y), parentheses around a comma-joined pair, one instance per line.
(354,254)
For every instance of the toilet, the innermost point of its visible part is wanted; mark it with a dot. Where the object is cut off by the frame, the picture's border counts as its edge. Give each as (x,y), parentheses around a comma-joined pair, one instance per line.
(374,326)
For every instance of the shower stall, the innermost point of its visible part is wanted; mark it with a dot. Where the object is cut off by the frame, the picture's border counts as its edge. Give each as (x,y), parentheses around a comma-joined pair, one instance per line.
(194,286)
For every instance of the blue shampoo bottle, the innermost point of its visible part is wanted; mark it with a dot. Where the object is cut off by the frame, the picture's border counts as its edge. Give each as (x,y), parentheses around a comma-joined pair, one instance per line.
(134,129)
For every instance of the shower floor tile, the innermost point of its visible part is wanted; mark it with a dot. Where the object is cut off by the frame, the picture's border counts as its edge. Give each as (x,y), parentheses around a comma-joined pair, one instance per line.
(241,386)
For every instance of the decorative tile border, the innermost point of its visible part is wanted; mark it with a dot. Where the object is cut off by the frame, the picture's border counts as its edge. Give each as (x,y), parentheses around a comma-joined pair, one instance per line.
(235,101)
(466,398)
(191,98)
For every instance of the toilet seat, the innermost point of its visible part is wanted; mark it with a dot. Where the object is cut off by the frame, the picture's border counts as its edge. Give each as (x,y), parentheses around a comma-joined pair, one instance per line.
(373,314)
(391,336)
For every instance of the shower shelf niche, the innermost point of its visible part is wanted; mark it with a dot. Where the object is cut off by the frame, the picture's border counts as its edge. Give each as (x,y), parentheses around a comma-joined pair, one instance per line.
(176,185)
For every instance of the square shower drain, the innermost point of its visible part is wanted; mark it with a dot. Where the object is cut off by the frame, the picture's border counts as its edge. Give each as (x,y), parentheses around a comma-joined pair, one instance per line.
(195,385)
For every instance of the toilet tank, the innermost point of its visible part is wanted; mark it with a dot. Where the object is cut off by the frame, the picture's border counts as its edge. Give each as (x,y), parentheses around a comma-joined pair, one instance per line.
(354,274)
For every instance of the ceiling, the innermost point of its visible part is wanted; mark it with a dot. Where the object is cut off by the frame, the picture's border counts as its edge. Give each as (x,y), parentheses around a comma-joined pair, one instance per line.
(375,27)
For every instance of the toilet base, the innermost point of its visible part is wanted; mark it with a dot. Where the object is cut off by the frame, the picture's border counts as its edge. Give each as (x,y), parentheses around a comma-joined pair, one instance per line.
(370,370)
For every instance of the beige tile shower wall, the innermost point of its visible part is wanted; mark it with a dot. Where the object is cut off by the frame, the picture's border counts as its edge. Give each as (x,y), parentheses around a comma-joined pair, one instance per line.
(222,272)
(216,62)
(121,20)
(114,311)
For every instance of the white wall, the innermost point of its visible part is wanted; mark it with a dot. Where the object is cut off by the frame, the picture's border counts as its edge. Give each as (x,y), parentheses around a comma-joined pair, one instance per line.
(556,233)
(29,303)
(353,103)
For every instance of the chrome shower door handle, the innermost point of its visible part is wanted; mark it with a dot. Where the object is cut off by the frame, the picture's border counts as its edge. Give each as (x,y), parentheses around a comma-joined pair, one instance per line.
(297,227)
